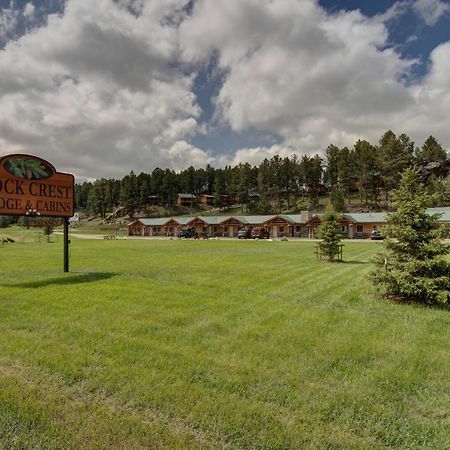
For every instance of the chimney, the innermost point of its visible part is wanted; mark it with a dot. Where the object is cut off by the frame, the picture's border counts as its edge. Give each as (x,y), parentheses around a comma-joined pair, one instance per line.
(304,215)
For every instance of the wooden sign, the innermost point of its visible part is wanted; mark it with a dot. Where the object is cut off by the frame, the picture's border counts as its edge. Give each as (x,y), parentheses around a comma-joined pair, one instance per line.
(30,186)
(40,222)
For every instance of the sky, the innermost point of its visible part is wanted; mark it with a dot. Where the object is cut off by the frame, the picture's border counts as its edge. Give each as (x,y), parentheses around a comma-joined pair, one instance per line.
(100,88)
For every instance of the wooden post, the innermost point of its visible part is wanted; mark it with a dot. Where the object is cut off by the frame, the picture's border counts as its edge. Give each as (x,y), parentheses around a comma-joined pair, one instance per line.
(66,244)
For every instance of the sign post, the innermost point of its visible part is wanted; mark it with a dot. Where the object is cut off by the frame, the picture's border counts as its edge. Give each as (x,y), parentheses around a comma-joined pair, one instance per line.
(66,244)
(30,186)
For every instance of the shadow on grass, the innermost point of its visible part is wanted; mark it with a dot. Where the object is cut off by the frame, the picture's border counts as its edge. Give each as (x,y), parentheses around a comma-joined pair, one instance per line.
(399,300)
(69,279)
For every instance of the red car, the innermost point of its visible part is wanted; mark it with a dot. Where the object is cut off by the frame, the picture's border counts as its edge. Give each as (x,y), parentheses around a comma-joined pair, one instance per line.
(260,233)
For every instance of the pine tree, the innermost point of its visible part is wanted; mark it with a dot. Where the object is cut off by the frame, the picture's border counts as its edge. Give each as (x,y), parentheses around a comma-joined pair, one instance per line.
(332,165)
(337,200)
(129,195)
(412,265)
(394,156)
(431,151)
(345,171)
(365,167)
(329,232)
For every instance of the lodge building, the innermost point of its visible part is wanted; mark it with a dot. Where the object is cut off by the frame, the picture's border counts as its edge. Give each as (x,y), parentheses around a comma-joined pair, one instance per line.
(353,225)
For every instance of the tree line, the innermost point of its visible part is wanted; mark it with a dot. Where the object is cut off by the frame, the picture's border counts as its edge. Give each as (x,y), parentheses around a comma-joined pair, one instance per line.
(371,171)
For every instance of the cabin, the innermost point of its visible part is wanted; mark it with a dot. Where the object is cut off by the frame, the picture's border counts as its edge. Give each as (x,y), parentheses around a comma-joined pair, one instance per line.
(292,225)
(154,200)
(206,199)
(361,225)
(230,226)
(353,225)
(186,199)
(227,200)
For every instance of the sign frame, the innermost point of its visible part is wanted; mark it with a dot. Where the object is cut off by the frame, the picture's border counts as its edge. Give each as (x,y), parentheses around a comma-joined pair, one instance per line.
(26,190)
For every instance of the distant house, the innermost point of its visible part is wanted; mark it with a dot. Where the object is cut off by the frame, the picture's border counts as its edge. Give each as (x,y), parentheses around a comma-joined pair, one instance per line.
(154,200)
(186,199)
(227,200)
(206,199)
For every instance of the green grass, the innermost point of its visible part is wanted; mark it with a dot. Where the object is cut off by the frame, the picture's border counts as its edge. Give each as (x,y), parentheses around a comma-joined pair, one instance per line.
(214,344)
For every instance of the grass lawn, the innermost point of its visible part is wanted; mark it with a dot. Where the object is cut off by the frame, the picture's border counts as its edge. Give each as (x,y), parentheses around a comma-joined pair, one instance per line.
(213,344)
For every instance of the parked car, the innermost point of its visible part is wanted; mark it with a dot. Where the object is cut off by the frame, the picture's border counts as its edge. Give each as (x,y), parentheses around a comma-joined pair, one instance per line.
(244,233)
(186,233)
(376,235)
(260,233)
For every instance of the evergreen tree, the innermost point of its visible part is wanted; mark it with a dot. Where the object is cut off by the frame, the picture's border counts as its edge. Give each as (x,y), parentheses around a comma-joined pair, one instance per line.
(329,232)
(345,171)
(209,175)
(97,202)
(219,187)
(439,190)
(264,178)
(288,178)
(332,162)
(143,187)
(170,187)
(431,151)
(337,200)
(366,168)
(129,195)
(413,264)
(394,156)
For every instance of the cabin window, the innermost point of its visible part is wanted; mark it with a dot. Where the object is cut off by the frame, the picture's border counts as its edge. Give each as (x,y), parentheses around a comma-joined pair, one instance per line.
(343,228)
(359,228)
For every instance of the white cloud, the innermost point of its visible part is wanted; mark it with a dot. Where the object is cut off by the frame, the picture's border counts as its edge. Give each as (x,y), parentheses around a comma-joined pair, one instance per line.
(8,21)
(314,78)
(294,70)
(28,10)
(398,9)
(256,155)
(95,91)
(108,86)
(431,10)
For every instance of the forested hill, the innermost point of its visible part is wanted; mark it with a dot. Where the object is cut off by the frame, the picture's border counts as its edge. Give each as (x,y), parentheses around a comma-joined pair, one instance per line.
(365,173)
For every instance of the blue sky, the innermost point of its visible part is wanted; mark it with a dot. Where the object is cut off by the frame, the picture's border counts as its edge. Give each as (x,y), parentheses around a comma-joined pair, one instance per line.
(101,88)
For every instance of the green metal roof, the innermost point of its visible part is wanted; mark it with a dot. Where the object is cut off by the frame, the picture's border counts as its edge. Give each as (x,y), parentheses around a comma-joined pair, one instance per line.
(156,222)
(182,220)
(445,213)
(255,220)
(366,217)
(210,220)
(374,217)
